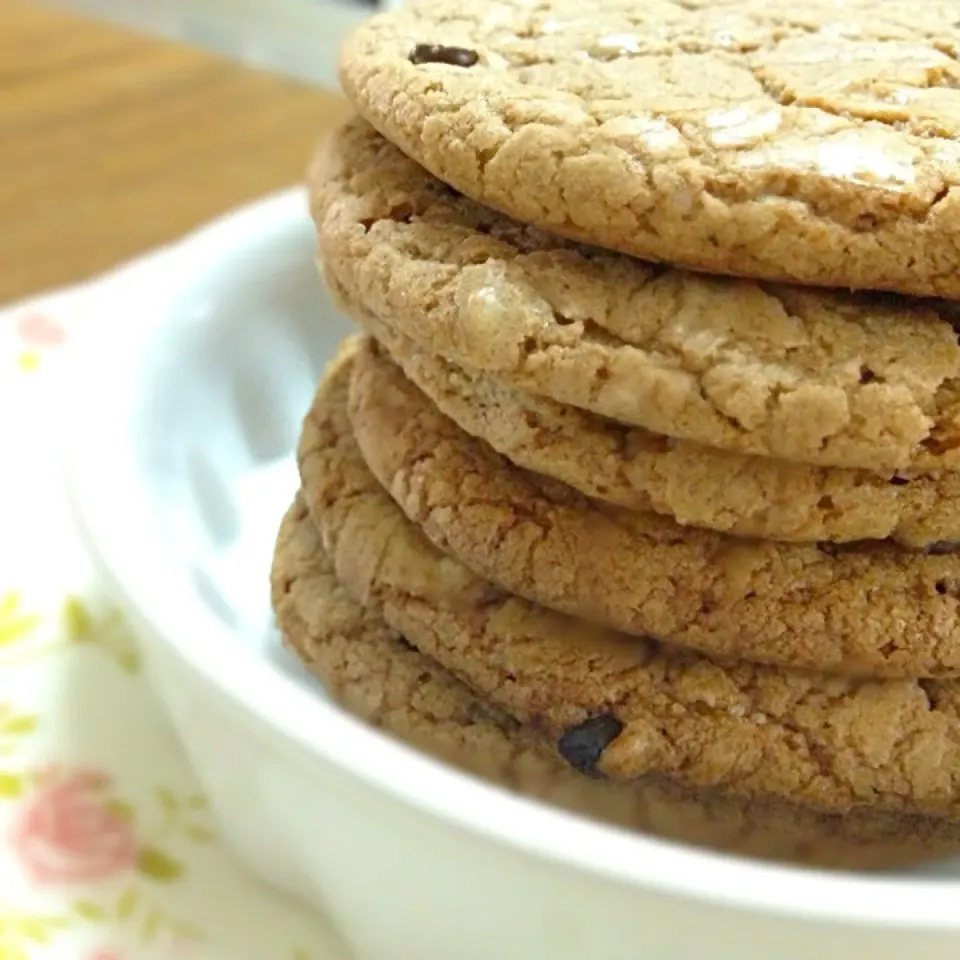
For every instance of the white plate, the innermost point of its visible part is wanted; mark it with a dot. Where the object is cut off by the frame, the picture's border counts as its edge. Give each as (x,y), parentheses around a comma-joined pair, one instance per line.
(178,464)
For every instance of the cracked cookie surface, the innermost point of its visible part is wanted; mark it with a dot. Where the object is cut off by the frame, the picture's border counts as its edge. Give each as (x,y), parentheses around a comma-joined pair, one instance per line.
(697,485)
(374,673)
(816,377)
(814,144)
(827,742)
(863,608)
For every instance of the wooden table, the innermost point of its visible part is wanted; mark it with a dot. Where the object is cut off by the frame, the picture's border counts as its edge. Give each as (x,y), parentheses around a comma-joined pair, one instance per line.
(111,143)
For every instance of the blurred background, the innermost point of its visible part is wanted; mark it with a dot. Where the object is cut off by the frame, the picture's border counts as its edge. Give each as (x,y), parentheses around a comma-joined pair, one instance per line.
(124,123)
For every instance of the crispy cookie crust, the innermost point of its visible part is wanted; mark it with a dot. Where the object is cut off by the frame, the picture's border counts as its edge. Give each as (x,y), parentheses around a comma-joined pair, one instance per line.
(817,377)
(696,485)
(864,608)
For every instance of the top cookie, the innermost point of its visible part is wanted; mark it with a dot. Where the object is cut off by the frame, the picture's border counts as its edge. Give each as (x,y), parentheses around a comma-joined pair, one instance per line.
(814,143)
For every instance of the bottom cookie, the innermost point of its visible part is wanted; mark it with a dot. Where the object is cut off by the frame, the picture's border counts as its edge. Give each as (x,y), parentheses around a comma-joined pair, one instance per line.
(373,672)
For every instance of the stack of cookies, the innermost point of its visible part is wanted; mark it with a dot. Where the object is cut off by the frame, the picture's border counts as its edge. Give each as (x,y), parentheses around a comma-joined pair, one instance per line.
(640,491)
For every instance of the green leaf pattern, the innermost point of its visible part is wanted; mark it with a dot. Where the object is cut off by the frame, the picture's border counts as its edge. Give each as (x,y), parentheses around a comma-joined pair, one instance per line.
(20,931)
(15,623)
(110,633)
(156,865)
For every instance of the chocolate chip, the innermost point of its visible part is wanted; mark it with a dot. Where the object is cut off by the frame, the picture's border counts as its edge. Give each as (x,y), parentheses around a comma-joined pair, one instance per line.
(438,53)
(898,481)
(583,745)
(943,547)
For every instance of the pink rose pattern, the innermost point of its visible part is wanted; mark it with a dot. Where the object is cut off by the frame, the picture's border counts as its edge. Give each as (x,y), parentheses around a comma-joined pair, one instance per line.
(39,329)
(178,950)
(67,834)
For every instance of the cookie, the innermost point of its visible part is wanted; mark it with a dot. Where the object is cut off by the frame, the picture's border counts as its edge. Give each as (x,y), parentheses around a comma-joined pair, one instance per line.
(815,377)
(862,608)
(374,673)
(696,485)
(815,145)
(619,705)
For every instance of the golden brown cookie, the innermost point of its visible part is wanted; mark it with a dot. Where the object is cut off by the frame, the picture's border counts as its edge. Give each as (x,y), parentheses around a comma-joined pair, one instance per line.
(373,672)
(694,484)
(811,376)
(861,608)
(815,143)
(619,705)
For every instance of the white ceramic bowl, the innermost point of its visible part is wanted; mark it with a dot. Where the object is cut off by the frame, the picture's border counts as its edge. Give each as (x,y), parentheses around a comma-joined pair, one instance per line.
(178,464)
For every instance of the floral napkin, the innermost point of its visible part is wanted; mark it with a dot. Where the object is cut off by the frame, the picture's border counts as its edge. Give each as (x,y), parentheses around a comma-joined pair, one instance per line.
(107,848)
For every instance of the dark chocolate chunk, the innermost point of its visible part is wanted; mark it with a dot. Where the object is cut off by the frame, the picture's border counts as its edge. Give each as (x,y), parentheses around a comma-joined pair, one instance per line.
(583,745)
(438,53)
